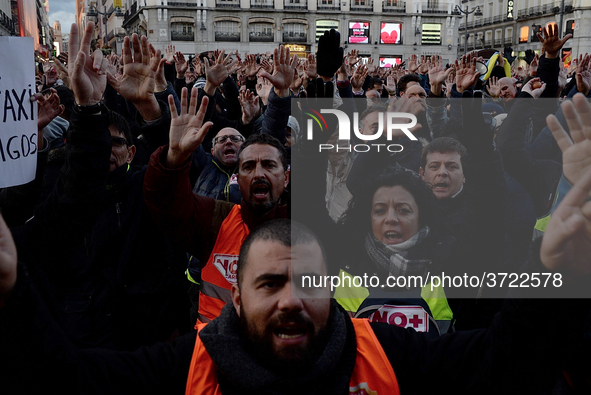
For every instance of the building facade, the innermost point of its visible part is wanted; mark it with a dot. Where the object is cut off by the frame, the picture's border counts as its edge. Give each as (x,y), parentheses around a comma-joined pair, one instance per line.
(514,24)
(391,30)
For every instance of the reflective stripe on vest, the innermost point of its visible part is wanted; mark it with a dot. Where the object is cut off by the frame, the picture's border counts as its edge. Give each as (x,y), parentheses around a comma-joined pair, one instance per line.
(540,226)
(372,374)
(219,272)
(351,298)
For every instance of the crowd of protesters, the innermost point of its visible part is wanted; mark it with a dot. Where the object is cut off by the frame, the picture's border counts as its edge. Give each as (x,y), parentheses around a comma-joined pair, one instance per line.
(160,177)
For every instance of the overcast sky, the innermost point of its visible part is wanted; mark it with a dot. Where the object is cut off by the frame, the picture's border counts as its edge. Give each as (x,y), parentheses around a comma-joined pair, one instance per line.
(63,11)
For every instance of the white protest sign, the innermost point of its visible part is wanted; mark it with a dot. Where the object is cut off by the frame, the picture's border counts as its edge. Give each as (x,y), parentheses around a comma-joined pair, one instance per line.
(18,115)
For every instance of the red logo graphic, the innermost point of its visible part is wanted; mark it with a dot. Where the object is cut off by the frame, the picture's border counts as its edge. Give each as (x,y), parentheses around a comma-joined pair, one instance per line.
(403,316)
(226,264)
(233,179)
(361,389)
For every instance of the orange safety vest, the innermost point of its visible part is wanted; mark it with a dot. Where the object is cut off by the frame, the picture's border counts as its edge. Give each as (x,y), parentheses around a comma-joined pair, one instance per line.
(219,272)
(372,374)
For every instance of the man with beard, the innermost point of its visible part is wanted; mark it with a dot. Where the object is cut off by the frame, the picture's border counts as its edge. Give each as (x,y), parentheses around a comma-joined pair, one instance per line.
(217,170)
(213,230)
(281,335)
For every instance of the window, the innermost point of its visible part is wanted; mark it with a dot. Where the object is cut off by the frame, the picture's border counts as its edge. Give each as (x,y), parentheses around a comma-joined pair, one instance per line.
(570,27)
(295,32)
(323,25)
(523,34)
(182,29)
(431,34)
(227,30)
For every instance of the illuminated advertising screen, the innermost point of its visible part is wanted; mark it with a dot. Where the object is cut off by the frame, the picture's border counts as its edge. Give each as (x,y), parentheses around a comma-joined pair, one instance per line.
(390,33)
(390,61)
(359,32)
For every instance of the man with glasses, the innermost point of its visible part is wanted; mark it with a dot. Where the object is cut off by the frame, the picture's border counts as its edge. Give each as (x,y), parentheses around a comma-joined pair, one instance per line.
(216,170)
(213,230)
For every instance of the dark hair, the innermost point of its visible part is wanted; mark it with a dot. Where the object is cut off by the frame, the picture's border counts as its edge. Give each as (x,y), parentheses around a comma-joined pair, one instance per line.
(379,107)
(357,218)
(373,81)
(66,98)
(117,120)
(404,80)
(284,231)
(442,145)
(269,140)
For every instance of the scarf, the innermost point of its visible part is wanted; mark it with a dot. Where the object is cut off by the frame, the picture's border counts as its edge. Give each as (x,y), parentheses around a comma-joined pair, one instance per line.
(394,257)
(243,373)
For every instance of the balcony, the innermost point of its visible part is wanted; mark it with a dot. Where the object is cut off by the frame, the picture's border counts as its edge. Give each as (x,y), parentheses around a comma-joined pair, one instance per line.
(462,26)
(508,41)
(521,14)
(487,43)
(394,7)
(498,42)
(220,36)
(434,8)
(227,4)
(535,11)
(295,5)
(486,21)
(260,37)
(365,6)
(182,36)
(478,23)
(292,37)
(262,4)
(328,5)
(186,5)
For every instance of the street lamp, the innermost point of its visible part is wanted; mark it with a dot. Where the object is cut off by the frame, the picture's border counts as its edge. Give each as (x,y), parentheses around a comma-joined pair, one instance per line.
(458,11)
(93,12)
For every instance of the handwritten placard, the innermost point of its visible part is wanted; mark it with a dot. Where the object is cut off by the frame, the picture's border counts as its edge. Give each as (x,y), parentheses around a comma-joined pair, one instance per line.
(18,115)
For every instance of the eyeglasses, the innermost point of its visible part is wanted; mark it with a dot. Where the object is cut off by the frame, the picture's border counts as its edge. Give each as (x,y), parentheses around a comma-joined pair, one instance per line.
(223,139)
(118,142)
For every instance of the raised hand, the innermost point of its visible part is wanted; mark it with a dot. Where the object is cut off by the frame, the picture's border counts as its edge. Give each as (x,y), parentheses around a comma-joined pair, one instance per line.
(311,66)
(330,54)
(252,68)
(424,66)
(583,76)
(533,66)
(576,148)
(437,74)
(216,71)
(267,66)
(283,71)
(353,57)
(390,85)
(566,244)
(371,67)
(412,64)
(494,88)
(466,74)
(47,108)
(180,64)
(138,82)
(169,54)
(87,73)
(250,106)
(156,61)
(263,89)
(551,42)
(358,77)
(187,130)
